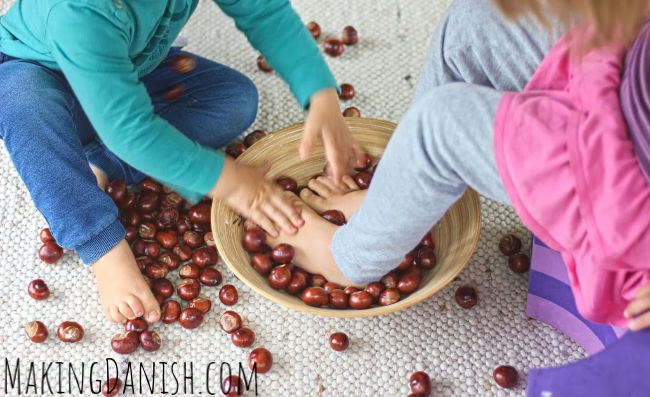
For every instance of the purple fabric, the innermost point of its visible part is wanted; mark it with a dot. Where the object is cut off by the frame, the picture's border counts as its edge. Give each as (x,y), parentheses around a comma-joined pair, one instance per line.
(635,97)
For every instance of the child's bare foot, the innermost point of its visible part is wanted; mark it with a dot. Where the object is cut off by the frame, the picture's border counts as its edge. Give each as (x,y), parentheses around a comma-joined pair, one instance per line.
(330,197)
(122,290)
(312,245)
(102,179)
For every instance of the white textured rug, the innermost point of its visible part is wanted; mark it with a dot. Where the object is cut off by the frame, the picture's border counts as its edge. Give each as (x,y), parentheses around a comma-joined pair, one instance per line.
(458,348)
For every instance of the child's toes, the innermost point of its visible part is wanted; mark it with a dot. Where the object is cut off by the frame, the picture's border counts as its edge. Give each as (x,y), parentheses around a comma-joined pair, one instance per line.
(151,307)
(116,316)
(319,187)
(126,311)
(313,200)
(135,305)
(350,182)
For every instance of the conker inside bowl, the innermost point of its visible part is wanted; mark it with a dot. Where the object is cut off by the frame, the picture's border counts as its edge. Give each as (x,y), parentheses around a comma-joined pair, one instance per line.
(456,235)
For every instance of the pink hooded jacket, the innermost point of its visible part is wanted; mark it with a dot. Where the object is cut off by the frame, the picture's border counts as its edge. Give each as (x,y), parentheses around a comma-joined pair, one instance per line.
(569,167)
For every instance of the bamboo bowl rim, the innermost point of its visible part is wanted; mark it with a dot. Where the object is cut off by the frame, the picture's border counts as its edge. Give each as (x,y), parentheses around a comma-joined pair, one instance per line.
(373,135)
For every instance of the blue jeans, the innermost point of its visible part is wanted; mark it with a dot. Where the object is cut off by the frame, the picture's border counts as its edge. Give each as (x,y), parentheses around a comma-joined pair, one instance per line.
(51,141)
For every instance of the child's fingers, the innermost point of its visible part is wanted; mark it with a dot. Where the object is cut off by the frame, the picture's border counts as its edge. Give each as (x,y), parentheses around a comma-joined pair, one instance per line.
(279,218)
(319,187)
(284,202)
(260,217)
(637,307)
(641,322)
(307,143)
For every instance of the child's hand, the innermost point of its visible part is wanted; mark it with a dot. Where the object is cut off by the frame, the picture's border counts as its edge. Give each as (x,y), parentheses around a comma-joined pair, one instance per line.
(245,189)
(639,309)
(325,122)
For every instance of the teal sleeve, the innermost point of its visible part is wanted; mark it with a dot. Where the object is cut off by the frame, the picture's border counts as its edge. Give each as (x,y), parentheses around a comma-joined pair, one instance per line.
(276,31)
(91,48)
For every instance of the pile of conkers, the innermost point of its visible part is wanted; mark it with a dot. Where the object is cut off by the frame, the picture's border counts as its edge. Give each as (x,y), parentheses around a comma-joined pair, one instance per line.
(510,246)
(314,290)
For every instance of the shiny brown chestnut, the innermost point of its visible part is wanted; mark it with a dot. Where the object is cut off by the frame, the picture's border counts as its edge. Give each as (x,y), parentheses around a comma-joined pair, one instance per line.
(147,230)
(360,300)
(338,299)
(116,189)
(170,201)
(130,217)
(156,270)
(70,332)
(254,240)
(260,360)
(519,263)
(420,383)
(314,29)
(390,280)
(188,289)
(426,258)
(349,35)
(243,337)
(200,213)
(350,289)
(171,260)
(466,297)
(374,289)
(125,342)
(230,321)
(235,149)
(509,244)
(262,263)
(147,202)
(208,239)
(183,252)
(162,287)
(174,93)
(279,277)
(254,137)
(339,341)
(131,233)
(318,280)
(170,311)
(168,217)
(205,257)
(151,248)
(408,283)
(406,263)
(352,111)
(46,235)
(50,252)
(315,296)
(189,270)
(228,295)
(364,163)
(150,341)
(298,283)
(190,318)
(149,185)
(183,63)
(36,331)
(334,216)
(389,296)
(333,47)
(427,240)
(287,183)
(263,66)
(210,277)
(184,224)
(137,324)
(282,253)
(330,286)
(111,387)
(201,228)
(192,239)
(38,290)
(506,376)
(232,386)
(346,91)
(363,179)
(202,304)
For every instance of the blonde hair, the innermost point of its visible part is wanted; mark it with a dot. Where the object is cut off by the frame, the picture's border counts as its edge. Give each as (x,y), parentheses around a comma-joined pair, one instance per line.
(611,21)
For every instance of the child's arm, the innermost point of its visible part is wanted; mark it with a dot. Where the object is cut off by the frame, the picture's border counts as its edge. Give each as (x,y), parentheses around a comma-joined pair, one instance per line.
(639,309)
(274,29)
(91,48)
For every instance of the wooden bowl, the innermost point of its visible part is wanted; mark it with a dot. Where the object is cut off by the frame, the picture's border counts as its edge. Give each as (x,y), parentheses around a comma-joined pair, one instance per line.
(456,235)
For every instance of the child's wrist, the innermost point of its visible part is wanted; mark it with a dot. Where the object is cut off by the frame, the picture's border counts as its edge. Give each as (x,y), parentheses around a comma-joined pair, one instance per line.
(226,182)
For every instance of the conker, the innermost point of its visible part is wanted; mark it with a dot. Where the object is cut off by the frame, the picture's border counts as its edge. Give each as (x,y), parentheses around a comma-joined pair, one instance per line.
(167,218)
(36,331)
(360,300)
(347,91)
(406,263)
(147,202)
(389,296)
(69,332)
(129,202)
(466,297)
(374,289)
(136,325)
(184,224)
(210,277)
(190,318)
(192,239)
(519,263)
(509,244)
(183,63)
(420,383)
(262,263)
(408,283)
(349,36)
(254,240)
(200,213)
(282,253)
(279,277)
(205,257)
(363,179)
(38,290)
(263,66)
(151,248)
(333,47)
(298,283)
(131,233)
(506,376)
(339,341)
(426,258)
(352,112)
(228,295)
(156,270)
(171,260)
(208,239)
(334,216)
(261,360)
(150,341)
(189,270)
(116,189)
(243,337)
(287,183)
(147,230)
(230,321)
(45,235)
(130,218)
(50,252)
(427,240)
(162,287)
(125,342)
(111,387)
(315,296)
(202,304)
(390,280)
(149,185)
(170,311)
(338,299)
(235,149)
(318,280)
(330,286)
(232,386)
(350,289)
(254,137)
(170,201)
(314,29)
(188,289)
(183,252)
